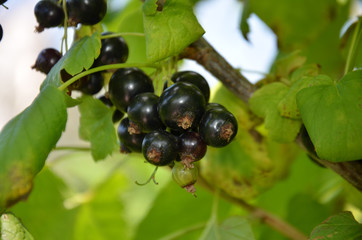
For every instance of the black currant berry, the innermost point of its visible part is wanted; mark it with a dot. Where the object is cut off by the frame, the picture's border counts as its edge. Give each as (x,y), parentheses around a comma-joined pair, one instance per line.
(132,142)
(113,50)
(159,148)
(194,78)
(91,84)
(214,106)
(181,106)
(192,148)
(87,12)
(1,32)
(218,127)
(142,110)
(117,115)
(126,83)
(185,177)
(2,2)
(46,59)
(48,14)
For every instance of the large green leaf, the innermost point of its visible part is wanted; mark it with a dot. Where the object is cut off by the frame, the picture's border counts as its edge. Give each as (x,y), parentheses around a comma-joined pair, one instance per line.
(79,57)
(101,217)
(44,213)
(288,105)
(342,226)
(232,228)
(264,103)
(26,141)
(97,127)
(169,31)
(12,229)
(332,115)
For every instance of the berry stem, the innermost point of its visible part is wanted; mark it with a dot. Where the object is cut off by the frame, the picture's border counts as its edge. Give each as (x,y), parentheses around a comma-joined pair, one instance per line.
(113,35)
(65,36)
(152,177)
(352,53)
(72,148)
(105,67)
(180,233)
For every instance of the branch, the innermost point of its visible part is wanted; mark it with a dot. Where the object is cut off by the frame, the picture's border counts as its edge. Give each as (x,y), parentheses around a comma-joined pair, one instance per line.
(203,53)
(269,219)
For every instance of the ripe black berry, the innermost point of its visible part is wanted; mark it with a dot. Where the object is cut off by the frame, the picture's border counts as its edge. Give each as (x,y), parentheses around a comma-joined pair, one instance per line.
(132,142)
(117,115)
(185,177)
(91,84)
(214,106)
(181,106)
(126,83)
(194,78)
(218,127)
(87,12)
(113,50)
(48,14)
(192,148)
(142,110)
(46,59)
(159,148)
(1,32)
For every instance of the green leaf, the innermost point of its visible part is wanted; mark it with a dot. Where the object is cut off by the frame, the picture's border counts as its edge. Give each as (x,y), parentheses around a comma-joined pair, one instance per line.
(163,38)
(264,103)
(44,213)
(342,226)
(310,70)
(149,7)
(288,105)
(12,229)
(101,217)
(244,26)
(332,115)
(26,141)
(286,64)
(79,57)
(97,127)
(232,228)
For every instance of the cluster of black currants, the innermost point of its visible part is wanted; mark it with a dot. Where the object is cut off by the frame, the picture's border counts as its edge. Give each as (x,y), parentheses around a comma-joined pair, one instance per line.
(173,129)
(50,13)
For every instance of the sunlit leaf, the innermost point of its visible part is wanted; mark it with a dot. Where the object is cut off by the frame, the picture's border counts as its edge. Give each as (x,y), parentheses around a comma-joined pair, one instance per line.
(163,38)
(149,7)
(332,115)
(26,141)
(12,229)
(78,58)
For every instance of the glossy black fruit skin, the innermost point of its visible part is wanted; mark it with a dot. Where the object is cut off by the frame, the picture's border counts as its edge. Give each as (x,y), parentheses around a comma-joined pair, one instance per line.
(160,148)
(1,32)
(117,115)
(218,127)
(126,83)
(86,12)
(191,147)
(48,14)
(143,111)
(91,84)
(181,106)
(113,50)
(194,78)
(214,106)
(132,142)
(46,59)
